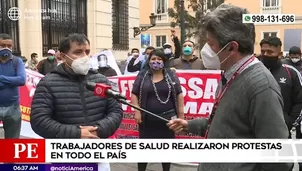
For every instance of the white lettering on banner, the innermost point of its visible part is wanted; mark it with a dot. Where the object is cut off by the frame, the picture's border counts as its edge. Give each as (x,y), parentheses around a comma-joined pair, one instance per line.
(192,108)
(195,91)
(126,107)
(32,81)
(125,88)
(210,88)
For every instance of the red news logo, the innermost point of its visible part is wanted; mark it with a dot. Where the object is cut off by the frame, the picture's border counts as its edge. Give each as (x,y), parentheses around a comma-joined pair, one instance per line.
(29,148)
(22,150)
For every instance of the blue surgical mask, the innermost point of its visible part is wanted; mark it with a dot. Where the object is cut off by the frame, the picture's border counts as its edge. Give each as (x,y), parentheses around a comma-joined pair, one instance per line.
(5,53)
(187,51)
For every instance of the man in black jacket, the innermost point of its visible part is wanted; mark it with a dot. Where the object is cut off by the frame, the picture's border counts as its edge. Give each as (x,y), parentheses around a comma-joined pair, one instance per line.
(288,77)
(294,58)
(62,107)
(48,64)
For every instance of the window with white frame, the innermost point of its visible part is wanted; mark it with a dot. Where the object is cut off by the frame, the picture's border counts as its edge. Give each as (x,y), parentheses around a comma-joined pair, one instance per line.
(161,6)
(271,3)
(269,34)
(160,40)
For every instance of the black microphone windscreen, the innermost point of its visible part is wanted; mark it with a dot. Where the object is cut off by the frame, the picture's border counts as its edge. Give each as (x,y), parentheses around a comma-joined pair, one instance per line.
(90,86)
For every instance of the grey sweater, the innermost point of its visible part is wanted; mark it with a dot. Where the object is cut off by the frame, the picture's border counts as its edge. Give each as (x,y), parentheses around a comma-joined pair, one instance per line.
(251,108)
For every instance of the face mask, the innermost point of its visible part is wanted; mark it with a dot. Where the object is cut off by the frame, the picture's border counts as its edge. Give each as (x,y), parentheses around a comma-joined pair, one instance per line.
(51,58)
(295,60)
(210,59)
(102,61)
(135,54)
(167,51)
(268,61)
(5,53)
(156,65)
(80,65)
(103,64)
(187,51)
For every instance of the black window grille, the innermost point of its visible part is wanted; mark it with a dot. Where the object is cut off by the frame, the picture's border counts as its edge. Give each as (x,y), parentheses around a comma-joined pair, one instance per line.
(62,17)
(8,25)
(120,25)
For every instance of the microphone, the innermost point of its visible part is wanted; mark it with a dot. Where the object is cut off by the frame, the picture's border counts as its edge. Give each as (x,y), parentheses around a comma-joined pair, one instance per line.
(103,90)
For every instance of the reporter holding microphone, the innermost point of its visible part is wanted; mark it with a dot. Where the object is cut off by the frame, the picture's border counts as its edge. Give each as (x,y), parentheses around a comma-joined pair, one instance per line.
(248,103)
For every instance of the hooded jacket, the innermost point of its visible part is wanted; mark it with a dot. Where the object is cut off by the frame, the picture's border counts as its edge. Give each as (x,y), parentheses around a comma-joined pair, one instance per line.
(297,65)
(62,103)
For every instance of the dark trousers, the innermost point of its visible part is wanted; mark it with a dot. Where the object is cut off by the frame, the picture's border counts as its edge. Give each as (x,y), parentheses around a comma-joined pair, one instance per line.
(155,130)
(11,118)
(143,166)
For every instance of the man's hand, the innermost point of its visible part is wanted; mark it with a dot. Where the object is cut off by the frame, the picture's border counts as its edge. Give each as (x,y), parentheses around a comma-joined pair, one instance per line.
(89,132)
(178,125)
(173,34)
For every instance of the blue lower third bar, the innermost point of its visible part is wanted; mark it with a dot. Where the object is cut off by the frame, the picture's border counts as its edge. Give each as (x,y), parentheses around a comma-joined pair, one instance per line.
(48,167)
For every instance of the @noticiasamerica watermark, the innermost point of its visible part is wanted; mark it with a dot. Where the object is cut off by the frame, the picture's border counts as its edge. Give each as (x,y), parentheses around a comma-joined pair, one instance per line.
(15,14)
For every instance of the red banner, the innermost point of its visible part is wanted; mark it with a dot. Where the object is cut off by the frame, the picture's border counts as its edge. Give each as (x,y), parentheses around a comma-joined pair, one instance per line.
(198,88)
(27,92)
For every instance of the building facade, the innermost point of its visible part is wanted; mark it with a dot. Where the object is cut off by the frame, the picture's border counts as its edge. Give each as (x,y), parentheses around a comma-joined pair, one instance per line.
(161,33)
(290,34)
(41,24)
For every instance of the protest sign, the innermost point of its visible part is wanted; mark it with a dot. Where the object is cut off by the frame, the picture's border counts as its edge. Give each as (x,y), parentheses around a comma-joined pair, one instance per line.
(198,88)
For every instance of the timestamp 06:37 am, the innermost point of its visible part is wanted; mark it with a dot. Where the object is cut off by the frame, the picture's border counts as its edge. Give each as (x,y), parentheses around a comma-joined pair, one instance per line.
(269,18)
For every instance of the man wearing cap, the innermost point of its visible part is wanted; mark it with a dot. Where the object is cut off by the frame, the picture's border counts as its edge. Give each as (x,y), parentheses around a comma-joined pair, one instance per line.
(48,64)
(294,58)
(168,47)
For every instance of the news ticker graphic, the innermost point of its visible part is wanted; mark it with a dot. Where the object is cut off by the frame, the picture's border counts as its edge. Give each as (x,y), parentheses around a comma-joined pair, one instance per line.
(269,18)
(150,150)
(49,167)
